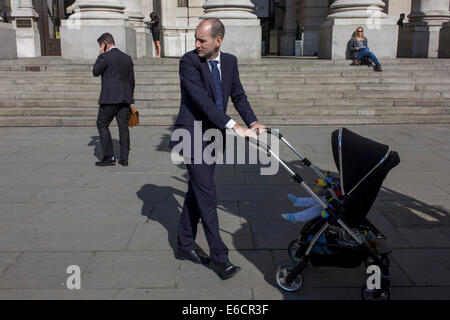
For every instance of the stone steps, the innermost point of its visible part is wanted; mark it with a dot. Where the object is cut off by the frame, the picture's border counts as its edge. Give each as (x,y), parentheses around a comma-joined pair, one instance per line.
(75,89)
(60,121)
(265,111)
(281,91)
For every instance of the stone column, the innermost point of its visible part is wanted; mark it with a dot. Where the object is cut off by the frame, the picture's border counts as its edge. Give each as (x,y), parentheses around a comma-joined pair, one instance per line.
(144,42)
(289,29)
(242,27)
(27,33)
(313,13)
(80,32)
(345,16)
(8,49)
(444,41)
(171,44)
(420,37)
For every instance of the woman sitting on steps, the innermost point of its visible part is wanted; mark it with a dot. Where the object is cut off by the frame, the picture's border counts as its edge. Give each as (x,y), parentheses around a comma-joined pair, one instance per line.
(359,49)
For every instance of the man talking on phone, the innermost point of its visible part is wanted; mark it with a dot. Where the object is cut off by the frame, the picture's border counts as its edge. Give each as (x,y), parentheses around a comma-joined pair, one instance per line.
(116,96)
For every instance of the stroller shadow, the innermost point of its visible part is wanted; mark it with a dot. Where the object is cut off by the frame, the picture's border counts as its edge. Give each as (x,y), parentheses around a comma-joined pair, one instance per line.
(260,216)
(95,142)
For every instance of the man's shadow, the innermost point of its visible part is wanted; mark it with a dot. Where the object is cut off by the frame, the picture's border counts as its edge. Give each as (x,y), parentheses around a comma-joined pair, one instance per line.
(169,217)
(95,142)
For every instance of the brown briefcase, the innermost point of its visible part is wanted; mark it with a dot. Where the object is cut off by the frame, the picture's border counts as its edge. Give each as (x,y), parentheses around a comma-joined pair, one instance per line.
(133,120)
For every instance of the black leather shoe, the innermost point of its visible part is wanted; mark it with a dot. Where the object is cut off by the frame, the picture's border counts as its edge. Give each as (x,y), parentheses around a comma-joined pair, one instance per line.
(107,161)
(124,163)
(226,270)
(191,255)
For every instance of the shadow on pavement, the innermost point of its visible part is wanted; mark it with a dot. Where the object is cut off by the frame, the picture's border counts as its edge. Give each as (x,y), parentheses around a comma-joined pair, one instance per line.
(397,207)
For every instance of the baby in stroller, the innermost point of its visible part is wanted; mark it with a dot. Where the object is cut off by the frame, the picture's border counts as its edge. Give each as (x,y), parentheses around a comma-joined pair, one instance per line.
(332,187)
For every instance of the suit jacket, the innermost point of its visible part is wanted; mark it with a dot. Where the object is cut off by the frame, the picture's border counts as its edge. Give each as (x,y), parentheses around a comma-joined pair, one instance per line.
(116,69)
(198,96)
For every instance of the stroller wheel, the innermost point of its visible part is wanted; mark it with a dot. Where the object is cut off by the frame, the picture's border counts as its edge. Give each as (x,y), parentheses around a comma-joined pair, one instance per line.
(375,294)
(281,274)
(292,250)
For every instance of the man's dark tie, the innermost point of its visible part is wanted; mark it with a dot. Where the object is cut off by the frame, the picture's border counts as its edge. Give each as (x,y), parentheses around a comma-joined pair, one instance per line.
(217,85)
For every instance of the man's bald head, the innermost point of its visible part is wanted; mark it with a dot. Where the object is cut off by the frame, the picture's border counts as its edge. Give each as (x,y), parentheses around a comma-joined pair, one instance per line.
(215,25)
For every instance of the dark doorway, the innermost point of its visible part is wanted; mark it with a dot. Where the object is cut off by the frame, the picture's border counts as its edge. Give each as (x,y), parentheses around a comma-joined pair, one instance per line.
(50,14)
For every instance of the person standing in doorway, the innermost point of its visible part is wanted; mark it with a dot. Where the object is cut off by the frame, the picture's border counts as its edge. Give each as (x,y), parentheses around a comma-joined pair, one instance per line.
(116,96)
(400,22)
(154,23)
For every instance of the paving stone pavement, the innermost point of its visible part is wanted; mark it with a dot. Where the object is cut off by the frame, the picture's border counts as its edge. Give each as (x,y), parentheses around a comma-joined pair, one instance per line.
(119,224)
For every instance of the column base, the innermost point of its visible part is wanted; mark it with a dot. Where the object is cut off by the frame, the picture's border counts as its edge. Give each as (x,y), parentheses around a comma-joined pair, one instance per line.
(28,40)
(419,41)
(80,41)
(335,34)
(287,44)
(144,43)
(8,49)
(444,41)
(242,39)
(176,42)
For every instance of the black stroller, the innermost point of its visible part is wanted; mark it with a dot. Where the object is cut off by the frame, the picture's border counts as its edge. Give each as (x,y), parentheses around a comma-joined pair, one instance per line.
(342,236)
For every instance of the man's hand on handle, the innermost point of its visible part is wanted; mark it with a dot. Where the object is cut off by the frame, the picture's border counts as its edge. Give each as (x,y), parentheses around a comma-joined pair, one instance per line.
(255,130)
(258,128)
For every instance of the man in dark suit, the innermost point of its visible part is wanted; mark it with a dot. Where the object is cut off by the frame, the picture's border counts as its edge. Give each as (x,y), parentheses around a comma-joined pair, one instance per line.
(116,69)
(208,78)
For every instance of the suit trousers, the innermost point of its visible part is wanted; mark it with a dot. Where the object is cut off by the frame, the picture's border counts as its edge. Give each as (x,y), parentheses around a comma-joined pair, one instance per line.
(201,203)
(106,114)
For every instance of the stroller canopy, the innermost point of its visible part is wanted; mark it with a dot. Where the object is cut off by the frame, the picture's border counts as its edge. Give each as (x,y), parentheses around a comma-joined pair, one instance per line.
(356,157)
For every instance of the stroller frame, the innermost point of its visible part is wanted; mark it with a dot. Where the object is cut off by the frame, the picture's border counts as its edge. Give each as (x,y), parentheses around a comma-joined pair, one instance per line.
(289,277)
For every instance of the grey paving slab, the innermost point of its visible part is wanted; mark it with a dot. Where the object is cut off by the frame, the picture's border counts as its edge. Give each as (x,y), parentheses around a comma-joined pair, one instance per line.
(304,294)
(38,179)
(426,267)
(8,149)
(43,270)
(235,234)
(154,236)
(420,293)
(186,294)
(24,168)
(51,167)
(423,193)
(57,294)
(6,259)
(122,178)
(130,212)
(424,237)
(274,235)
(18,194)
(100,194)
(21,212)
(394,238)
(414,213)
(65,237)
(111,270)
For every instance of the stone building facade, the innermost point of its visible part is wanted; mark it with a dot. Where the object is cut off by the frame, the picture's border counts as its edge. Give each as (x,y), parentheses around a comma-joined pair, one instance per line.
(320,28)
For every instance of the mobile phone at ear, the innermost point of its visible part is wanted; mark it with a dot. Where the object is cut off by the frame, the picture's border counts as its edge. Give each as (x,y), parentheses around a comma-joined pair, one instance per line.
(104,48)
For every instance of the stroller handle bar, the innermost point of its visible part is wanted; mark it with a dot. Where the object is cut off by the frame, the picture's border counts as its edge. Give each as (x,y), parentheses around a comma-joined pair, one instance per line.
(304,159)
(297,178)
